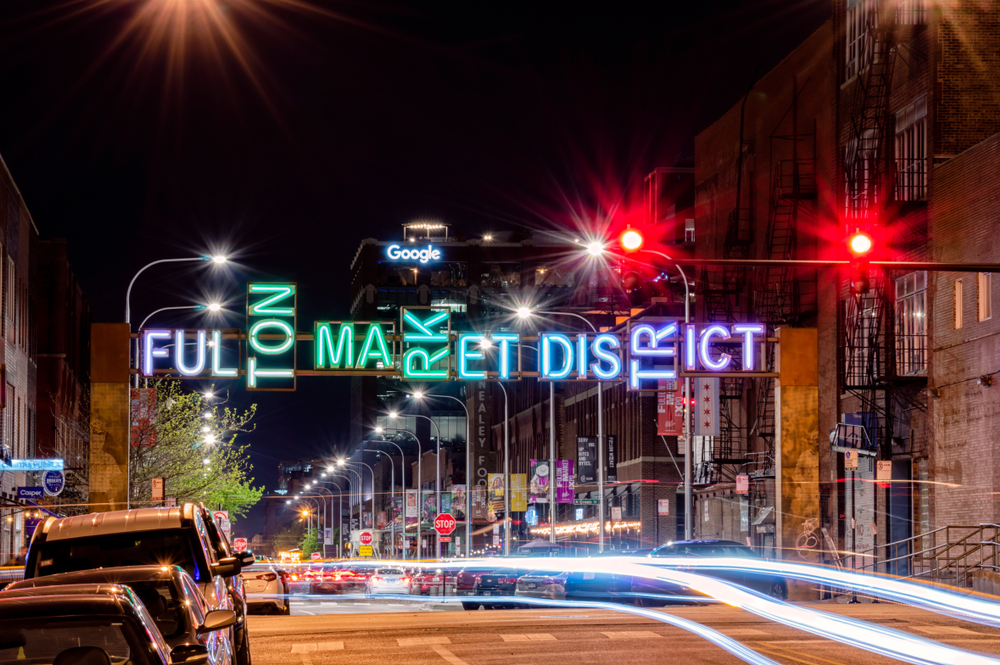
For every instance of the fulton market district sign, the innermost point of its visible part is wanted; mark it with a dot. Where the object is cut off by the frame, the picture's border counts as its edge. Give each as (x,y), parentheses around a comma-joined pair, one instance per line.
(421,346)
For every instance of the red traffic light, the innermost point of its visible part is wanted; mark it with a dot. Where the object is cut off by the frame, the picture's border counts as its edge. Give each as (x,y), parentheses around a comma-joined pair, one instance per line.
(631,240)
(860,244)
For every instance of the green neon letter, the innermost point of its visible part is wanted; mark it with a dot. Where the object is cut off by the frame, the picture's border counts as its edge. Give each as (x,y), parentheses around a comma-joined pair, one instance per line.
(342,351)
(283,326)
(377,339)
(410,371)
(278,292)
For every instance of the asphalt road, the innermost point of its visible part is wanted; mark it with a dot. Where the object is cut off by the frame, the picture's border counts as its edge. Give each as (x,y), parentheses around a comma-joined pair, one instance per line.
(577,637)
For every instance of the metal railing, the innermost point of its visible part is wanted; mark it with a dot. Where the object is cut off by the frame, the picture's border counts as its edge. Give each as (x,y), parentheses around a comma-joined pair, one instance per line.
(962,550)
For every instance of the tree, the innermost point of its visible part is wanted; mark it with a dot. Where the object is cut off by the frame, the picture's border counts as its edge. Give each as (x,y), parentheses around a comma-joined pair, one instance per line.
(191,445)
(309,543)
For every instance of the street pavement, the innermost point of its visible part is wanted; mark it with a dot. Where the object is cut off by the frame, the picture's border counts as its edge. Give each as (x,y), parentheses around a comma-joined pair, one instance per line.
(575,636)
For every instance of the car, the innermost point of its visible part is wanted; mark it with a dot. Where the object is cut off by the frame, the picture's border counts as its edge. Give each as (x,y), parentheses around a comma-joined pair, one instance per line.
(434,582)
(234,584)
(542,584)
(169,594)
(387,581)
(267,589)
(144,536)
(496,584)
(93,624)
(465,580)
(770,585)
(340,578)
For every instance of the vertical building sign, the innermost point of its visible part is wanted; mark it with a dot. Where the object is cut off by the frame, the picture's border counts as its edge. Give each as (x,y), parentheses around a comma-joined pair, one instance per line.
(565,485)
(483,458)
(586,459)
(706,407)
(518,492)
(538,487)
(143,417)
(612,463)
(271,325)
(669,411)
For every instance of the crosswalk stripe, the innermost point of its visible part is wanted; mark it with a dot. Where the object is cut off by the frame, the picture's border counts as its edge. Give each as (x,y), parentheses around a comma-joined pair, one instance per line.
(530,637)
(422,641)
(310,647)
(449,656)
(629,634)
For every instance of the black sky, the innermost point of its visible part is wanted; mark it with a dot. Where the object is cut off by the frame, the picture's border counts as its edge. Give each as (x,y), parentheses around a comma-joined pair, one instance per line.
(335,121)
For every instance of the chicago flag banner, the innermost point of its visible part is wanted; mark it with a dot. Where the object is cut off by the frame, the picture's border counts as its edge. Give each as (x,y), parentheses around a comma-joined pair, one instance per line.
(706,407)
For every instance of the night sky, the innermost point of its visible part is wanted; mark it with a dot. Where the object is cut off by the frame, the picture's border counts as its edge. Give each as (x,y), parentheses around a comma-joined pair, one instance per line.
(285,131)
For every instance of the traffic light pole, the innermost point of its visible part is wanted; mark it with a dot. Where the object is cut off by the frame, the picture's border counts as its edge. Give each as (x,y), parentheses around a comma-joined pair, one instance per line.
(802,263)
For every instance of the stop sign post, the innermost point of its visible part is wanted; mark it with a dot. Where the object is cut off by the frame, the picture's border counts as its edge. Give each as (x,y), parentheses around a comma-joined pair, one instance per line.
(444,524)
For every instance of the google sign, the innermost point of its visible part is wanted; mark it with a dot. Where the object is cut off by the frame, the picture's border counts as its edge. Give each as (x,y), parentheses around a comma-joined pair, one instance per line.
(395,253)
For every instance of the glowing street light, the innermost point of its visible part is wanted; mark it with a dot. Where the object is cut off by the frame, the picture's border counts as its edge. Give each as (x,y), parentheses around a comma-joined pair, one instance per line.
(214,307)
(595,248)
(218,259)
(524,312)
(631,240)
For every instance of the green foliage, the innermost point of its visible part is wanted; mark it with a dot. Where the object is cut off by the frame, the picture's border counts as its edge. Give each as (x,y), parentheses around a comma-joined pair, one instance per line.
(197,456)
(309,543)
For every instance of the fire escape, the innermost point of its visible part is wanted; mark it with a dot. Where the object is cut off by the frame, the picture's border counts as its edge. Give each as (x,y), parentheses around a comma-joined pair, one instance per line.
(723,290)
(868,360)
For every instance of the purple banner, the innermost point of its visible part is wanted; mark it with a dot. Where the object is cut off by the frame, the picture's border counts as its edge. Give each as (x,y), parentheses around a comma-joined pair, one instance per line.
(565,481)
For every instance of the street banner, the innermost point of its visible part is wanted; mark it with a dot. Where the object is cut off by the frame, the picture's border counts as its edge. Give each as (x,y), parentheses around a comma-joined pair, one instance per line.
(143,415)
(411,505)
(368,520)
(429,504)
(742,484)
(381,520)
(538,488)
(157,489)
(565,485)
(446,502)
(327,536)
(669,410)
(706,407)
(479,502)
(616,514)
(496,491)
(586,459)
(612,462)
(663,507)
(458,501)
(518,492)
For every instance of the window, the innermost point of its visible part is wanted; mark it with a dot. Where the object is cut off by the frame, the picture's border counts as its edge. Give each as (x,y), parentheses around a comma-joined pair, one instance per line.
(688,230)
(958,304)
(861,19)
(985,295)
(911,151)
(910,12)
(911,323)
(861,322)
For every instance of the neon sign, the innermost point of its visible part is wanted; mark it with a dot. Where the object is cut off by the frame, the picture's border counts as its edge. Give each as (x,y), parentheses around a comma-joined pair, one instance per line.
(396,253)
(421,346)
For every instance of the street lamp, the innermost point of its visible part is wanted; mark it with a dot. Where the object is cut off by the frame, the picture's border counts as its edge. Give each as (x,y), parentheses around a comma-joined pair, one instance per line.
(340,510)
(437,463)
(418,484)
(525,314)
(392,494)
(402,482)
(418,395)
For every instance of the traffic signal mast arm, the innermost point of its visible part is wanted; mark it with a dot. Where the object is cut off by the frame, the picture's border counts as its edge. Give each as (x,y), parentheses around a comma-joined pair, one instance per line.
(803,263)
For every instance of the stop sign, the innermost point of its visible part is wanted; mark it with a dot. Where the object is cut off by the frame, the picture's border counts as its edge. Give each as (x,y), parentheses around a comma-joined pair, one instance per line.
(366,538)
(240,544)
(444,524)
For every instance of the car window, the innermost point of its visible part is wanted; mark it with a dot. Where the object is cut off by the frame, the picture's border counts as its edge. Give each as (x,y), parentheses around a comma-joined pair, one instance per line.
(161,600)
(164,547)
(388,571)
(194,600)
(40,640)
(206,542)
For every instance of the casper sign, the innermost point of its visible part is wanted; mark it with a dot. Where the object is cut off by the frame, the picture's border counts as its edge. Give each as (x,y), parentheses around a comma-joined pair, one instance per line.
(422,346)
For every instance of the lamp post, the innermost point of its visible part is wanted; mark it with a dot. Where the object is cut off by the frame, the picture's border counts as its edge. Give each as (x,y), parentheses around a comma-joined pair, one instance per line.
(392,494)
(362,509)
(468,467)
(350,512)
(218,260)
(437,463)
(418,485)
(688,518)
(326,515)
(340,509)
(524,313)
(402,483)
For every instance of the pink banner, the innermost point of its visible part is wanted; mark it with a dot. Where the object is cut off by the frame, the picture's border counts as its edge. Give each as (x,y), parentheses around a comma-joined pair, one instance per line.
(565,481)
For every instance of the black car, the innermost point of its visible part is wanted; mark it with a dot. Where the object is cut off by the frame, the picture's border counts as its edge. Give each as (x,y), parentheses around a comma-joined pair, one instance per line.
(169,594)
(494,585)
(234,584)
(770,585)
(95,624)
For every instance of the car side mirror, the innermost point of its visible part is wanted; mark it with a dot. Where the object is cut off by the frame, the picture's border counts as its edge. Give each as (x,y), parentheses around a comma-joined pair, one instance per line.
(189,654)
(217,620)
(246,557)
(227,567)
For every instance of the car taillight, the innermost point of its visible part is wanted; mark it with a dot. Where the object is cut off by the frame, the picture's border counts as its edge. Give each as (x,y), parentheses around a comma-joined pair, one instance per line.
(479,578)
(508,580)
(405,580)
(295,577)
(376,579)
(269,577)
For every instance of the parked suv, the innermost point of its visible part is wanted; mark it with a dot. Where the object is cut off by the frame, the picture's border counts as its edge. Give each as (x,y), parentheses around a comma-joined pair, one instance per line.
(234,584)
(146,536)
